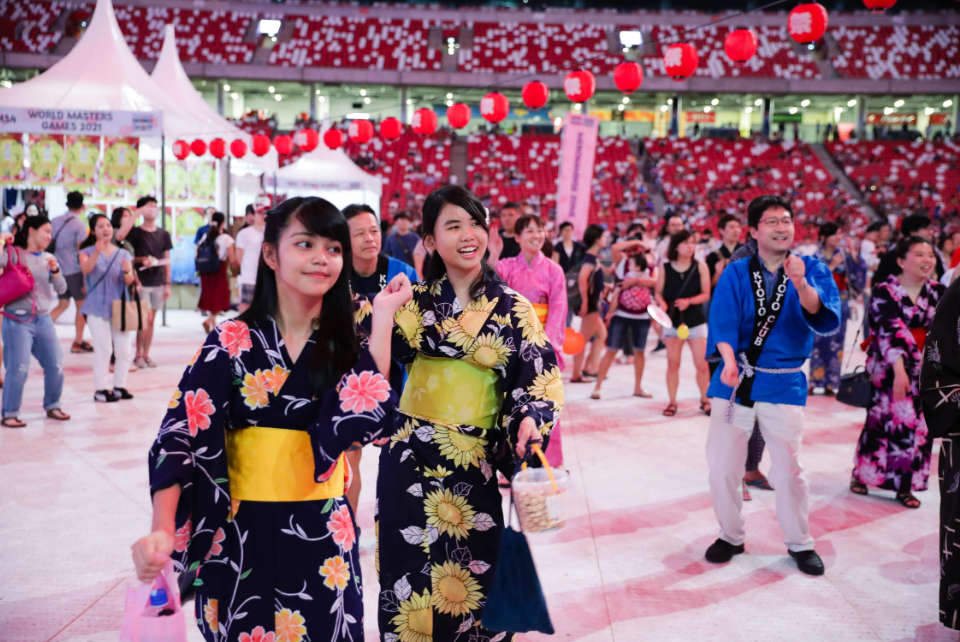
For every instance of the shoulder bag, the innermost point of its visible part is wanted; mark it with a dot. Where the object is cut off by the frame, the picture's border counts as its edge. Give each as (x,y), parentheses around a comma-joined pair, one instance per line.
(855,387)
(15,282)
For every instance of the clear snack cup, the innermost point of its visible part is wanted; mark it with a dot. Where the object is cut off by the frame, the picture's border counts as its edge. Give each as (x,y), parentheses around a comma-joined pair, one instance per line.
(539,495)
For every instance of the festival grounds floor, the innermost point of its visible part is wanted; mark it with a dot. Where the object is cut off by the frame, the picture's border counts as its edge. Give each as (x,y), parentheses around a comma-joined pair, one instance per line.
(627,566)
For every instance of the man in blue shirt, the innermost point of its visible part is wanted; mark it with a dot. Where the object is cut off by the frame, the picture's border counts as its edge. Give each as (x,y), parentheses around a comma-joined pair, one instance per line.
(773,304)
(402,242)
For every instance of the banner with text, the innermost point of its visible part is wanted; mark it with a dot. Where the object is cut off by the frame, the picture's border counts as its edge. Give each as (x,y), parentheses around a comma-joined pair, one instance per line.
(81,121)
(876,118)
(578,149)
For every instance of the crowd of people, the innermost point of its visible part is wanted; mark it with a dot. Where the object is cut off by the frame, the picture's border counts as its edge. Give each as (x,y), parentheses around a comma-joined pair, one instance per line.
(367,325)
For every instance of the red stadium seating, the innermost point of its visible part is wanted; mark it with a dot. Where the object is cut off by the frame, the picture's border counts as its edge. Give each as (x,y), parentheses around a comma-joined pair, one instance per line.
(901,177)
(702,178)
(517,47)
(775,57)
(357,42)
(919,51)
(409,167)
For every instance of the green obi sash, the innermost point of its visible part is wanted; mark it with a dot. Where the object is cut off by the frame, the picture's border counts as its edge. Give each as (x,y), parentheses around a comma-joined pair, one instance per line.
(451,392)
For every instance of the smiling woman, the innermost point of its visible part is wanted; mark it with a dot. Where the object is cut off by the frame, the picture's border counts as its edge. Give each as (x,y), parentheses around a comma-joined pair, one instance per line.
(248,472)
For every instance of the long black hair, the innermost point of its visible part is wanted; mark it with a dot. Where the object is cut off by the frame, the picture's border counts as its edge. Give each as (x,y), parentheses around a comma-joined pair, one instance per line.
(455,195)
(213,229)
(336,348)
(92,236)
(29,223)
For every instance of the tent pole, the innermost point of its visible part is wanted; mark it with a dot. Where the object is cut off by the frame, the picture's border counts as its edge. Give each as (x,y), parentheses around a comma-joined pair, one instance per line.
(163,209)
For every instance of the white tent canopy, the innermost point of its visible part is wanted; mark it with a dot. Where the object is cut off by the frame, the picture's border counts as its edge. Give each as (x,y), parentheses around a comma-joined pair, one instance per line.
(172,79)
(330,174)
(101,73)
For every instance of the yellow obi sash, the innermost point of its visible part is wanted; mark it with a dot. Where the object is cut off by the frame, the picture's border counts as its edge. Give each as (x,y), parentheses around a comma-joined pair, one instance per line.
(276,465)
(541,309)
(451,392)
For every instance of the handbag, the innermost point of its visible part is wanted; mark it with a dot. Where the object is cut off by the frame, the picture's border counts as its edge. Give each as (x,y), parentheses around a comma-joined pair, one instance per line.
(855,389)
(142,622)
(515,601)
(127,314)
(16,280)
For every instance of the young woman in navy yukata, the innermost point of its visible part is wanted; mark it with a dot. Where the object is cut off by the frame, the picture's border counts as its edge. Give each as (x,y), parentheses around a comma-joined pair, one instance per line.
(482,383)
(248,472)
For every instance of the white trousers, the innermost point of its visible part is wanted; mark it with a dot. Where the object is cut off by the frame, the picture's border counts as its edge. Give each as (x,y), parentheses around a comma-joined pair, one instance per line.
(782,427)
(107,341)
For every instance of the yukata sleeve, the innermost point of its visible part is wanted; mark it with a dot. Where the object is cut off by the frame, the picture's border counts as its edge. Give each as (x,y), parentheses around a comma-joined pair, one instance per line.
(408,327)
(557,306)
(940,374)
(189,449)
(893,337)
(856,274)
(827,318)
(533,386)
(358,411)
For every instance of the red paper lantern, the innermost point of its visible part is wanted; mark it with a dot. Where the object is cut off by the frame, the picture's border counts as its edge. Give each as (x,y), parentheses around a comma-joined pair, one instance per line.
(579,86)
(360,131)
(198,147)
(458,115)
(879,6)
(181,149)
(535,94)
(680,61)
(740,45)
(494,107)
(306,139)
(807,22)
(218,148)
(333,138)
(628,76)
(424,121)
(238,148)
(261,145)
(283,144)
(391,128)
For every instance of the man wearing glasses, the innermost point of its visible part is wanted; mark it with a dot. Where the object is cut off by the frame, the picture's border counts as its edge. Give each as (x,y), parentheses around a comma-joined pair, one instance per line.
(774,303)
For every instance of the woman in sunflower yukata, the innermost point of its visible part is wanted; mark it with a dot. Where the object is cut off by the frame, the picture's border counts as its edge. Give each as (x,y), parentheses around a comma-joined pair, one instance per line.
(482,384)
(248,473)
(894,449)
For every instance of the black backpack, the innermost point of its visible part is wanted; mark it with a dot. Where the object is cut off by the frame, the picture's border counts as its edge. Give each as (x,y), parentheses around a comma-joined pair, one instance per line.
(207,261)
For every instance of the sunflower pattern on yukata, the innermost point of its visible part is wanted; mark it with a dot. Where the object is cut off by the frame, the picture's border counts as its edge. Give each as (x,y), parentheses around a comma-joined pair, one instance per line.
(894,449)
(439,515)
(268,571)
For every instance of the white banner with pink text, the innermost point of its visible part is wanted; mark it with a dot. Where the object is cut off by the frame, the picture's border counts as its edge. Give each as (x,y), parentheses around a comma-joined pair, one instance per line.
(578,149)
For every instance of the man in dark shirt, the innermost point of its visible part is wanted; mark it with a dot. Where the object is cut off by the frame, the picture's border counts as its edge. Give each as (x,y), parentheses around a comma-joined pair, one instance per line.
(569,251)
(729,228)
(152,247)
(403,241)
(509,214)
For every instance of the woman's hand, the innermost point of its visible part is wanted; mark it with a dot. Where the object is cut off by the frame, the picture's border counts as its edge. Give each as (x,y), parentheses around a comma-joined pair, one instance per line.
(52,264)
(390,298)
(526,435)
(682,304)
(151,554)
(901,383)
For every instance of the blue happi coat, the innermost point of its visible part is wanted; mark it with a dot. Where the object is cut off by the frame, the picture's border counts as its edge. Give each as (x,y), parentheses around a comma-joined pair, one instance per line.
(731,321)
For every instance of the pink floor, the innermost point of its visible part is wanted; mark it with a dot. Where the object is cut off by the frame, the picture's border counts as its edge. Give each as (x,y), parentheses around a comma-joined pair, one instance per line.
(627,566)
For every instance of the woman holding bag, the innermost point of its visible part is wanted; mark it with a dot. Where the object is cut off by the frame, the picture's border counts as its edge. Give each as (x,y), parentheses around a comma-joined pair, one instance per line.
(29,328)
(215,286)
(107,270)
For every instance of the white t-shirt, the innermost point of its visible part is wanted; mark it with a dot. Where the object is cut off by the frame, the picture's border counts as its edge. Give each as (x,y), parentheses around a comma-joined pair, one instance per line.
(224,241)
(249,239)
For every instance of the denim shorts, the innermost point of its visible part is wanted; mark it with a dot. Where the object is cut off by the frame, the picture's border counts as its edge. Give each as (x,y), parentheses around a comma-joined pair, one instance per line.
(627,334)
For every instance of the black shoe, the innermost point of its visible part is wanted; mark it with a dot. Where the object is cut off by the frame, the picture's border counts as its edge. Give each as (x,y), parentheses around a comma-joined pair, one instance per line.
(122,393)
(660,346)
(105,396)
(722,551)
(808,562)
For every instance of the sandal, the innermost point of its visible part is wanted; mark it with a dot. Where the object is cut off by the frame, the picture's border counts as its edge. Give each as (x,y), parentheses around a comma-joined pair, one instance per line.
(643,393)
(705,407)
(59,415)
(760,482)
(581,379)
(670,410)
(858,488)
(12,422)
(908,500)
(595,394)
(746,494)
